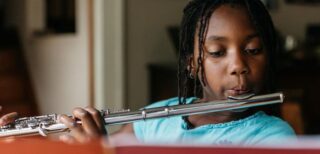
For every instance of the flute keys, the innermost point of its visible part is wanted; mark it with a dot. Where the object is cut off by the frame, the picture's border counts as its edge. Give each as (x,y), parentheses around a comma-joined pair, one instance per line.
(108,111)
(2,128)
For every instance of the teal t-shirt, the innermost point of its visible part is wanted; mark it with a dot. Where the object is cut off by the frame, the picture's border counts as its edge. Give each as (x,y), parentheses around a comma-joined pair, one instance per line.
(258,128)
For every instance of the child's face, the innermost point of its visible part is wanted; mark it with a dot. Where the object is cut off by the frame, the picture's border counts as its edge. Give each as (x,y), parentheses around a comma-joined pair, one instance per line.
(234,59)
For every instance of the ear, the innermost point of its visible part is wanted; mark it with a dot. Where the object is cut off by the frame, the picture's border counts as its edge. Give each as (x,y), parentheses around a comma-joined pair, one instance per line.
(191,67)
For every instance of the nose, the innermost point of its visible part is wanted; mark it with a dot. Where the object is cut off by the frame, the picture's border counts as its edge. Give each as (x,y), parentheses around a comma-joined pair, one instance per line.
(238,65)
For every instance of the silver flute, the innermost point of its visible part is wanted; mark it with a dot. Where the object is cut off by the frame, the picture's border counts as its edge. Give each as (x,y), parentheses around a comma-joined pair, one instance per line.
(47,124)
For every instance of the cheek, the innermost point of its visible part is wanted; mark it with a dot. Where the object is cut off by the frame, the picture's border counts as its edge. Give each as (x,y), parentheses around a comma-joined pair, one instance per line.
(258,69)
(214,73)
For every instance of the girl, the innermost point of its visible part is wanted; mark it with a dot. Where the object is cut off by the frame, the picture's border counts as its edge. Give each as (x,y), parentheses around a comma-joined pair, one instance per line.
(227,48)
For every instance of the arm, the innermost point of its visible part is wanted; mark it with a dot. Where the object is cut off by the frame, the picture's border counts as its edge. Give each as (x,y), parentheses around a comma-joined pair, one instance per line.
(125,129)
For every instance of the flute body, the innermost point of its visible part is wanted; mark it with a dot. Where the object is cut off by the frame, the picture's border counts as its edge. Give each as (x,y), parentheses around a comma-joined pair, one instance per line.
(47,124)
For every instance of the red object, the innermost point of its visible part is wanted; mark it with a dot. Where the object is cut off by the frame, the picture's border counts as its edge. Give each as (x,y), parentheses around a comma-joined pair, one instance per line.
(209,150)
(45,146)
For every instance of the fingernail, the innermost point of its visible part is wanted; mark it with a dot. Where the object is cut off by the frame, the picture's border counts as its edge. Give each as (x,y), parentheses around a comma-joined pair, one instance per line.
(73,124)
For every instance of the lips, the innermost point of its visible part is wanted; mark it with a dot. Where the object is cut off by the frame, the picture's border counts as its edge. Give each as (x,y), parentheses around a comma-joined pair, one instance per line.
(239,90)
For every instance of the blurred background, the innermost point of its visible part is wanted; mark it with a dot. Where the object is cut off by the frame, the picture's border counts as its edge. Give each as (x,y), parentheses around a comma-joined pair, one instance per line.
(59,54)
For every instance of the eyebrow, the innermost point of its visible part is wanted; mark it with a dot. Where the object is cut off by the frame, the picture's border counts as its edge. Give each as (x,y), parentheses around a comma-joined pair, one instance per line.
(216,38)
(221,38)
(252,36)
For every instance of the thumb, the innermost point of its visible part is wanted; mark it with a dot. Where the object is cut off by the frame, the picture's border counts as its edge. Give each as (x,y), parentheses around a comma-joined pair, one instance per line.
(8,118)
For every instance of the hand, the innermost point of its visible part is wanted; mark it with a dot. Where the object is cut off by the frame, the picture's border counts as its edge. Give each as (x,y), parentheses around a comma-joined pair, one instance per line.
(8,118)
(92,126)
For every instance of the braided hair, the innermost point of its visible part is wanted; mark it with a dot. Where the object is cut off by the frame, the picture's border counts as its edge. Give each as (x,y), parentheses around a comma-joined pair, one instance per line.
(195,22)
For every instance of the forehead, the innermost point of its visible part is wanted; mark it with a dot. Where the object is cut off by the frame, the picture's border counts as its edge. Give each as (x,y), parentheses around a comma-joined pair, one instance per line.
(230,21)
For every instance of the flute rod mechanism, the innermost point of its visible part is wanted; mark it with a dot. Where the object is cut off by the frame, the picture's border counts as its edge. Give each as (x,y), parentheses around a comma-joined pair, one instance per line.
(47,124)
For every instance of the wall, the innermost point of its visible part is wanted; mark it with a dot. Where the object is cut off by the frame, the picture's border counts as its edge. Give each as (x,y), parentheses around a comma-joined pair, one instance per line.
(148,42)
(109,54)
(59,66)
(58,63)
(292,19)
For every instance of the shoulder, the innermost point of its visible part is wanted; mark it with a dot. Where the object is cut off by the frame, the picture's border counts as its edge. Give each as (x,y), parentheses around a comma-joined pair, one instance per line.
(167,102)
(273,123)
(270,129)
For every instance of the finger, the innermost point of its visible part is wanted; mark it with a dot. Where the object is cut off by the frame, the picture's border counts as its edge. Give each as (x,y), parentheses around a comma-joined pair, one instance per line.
(88,124)
(67,139)
(76,130)
(8,139)
(8,118)
(96,115)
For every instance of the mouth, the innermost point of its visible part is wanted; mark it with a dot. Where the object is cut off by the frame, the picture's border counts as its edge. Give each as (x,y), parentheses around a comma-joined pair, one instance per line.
(240,90)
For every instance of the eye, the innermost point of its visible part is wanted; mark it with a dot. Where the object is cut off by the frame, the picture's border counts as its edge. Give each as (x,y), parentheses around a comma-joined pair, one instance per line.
(254,51)
(217,54)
